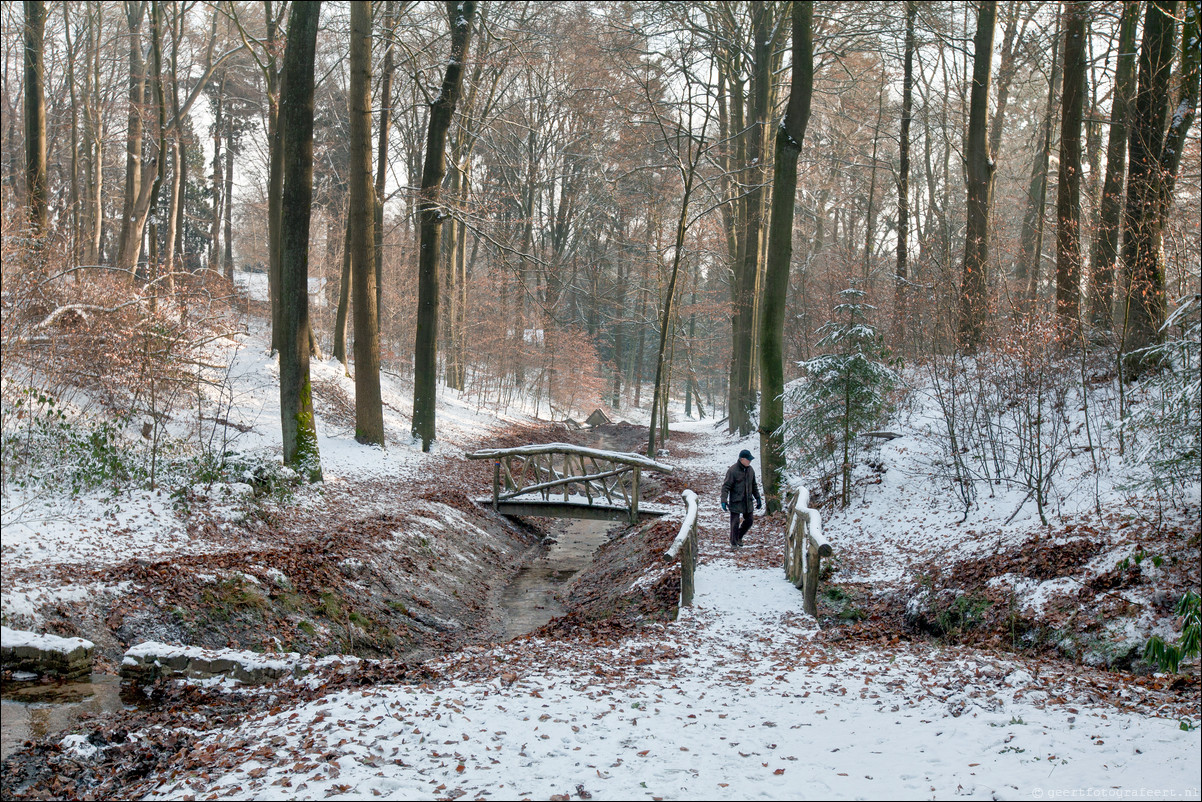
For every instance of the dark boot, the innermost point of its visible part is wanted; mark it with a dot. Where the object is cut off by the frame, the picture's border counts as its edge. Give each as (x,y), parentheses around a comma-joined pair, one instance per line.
(748,518)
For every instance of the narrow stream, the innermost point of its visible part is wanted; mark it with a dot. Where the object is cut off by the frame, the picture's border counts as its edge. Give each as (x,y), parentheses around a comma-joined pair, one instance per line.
(529,601)
(32,710)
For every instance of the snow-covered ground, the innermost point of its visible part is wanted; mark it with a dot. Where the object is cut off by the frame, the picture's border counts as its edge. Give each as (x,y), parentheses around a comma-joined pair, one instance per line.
(737,700)
(734,701)
(95,529)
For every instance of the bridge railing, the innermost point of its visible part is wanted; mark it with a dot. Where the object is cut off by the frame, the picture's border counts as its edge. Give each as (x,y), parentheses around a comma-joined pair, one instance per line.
(805,546)
(589,474)
(684,548)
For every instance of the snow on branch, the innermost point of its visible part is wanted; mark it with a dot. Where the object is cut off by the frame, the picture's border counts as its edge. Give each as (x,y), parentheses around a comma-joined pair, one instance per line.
(81,310)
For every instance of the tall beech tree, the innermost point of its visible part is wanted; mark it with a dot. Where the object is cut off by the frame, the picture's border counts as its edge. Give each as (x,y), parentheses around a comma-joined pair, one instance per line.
(746,41)
(789,137)
(902,271)
(275,167)
(1110,215)
(296,142)
(1030,256)
(386,72)
(35,116)
(369,410)
(1068,193)
(130,243)
(429,215)
(1155,154)
(979,169)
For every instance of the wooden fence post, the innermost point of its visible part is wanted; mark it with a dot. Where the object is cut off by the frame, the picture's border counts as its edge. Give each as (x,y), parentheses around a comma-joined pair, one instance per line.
(805,546)
(809,593)
(684,548)
(688,562)
(634,498)
(496,483)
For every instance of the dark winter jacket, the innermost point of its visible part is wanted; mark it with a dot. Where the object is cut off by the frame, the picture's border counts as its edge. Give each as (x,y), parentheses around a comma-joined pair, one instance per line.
(740,488)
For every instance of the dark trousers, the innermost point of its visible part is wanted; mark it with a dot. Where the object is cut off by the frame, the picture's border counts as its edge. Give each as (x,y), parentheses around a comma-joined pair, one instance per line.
(737,529)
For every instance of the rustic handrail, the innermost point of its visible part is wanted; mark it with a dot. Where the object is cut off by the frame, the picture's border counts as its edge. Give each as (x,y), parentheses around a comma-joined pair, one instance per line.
(567,480)
(805,546)
(541,468)
(685,545)
(624,457)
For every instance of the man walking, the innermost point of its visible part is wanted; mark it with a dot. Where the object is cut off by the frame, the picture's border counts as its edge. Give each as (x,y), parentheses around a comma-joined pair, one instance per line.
(738,490)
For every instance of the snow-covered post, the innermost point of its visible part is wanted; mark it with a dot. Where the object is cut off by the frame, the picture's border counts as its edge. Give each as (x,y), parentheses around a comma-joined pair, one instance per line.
(805,546)
(685,546)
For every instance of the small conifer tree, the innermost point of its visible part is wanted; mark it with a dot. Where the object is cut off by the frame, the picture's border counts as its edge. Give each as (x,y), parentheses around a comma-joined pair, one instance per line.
(841,393)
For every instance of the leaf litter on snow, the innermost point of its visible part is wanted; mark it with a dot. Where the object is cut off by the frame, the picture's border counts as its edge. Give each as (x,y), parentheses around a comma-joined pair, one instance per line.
(740,695)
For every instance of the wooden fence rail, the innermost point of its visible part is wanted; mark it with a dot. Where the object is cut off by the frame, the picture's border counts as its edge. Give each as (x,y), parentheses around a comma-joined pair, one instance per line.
(684,547)
(805,546)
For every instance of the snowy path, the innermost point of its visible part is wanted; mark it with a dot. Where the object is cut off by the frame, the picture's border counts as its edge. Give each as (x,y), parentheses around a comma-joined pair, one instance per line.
(735,701)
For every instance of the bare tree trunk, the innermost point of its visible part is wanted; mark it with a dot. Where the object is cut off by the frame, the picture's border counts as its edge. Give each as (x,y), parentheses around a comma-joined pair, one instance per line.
(227,259)
(902,272)
(748,266)
(94,121)
(369,409)
(182,162)
(425,368)
(296,140)
(275,182)
(1155,155)
(1013,29)
(636,369)
(619,327)
(789,138)
(390,22)
(1030,257)
(130,241)
(344,298)
(979,168)
(160,103)
(73,194)
(1068,200)
(1106,241)
(218,184)
(175,156)
(870,213)
(35,117)
(687,164)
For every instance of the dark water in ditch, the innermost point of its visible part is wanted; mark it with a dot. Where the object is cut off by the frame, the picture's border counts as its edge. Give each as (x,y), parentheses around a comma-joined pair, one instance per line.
(32,710)
(530,599)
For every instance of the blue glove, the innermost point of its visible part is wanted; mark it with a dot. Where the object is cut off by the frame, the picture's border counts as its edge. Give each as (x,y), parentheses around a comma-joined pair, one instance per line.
(758,504)
(724,506)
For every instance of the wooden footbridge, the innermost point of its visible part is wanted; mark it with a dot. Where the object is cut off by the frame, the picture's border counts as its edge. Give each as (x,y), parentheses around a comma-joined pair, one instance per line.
(560,480)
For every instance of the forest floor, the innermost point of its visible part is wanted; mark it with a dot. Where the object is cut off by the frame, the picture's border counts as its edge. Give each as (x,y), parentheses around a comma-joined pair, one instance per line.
(980,654)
